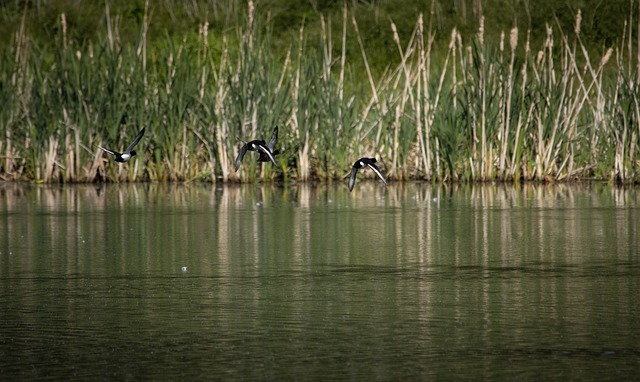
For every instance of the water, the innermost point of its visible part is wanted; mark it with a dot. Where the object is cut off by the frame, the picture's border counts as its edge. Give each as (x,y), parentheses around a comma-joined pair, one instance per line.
(175,282)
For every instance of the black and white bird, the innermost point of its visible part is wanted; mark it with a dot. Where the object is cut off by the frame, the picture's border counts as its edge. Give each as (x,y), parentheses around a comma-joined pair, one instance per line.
(363,163)
(128,153)
(271,146)
(261,147)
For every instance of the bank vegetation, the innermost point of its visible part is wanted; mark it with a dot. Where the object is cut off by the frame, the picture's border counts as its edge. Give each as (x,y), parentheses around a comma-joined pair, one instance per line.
(506,107)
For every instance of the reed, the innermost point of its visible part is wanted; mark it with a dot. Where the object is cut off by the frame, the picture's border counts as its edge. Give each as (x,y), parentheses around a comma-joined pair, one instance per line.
(472,110)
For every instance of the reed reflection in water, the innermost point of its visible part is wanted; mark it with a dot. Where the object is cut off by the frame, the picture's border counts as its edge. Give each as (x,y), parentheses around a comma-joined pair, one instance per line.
(408,280)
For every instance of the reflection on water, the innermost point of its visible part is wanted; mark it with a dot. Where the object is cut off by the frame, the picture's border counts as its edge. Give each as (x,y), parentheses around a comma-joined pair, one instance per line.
(311,281)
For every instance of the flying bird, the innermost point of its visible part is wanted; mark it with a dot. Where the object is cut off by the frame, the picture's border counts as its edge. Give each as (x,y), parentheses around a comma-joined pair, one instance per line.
(260,147)
(362,163)
(128,153)
(271,146)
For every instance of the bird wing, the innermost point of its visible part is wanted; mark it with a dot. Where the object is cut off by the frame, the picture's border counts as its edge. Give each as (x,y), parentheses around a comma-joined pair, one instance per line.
(274,139)
(108,151)
(377,171)
(135,141)
(243,150)
(352,178)
(266,150)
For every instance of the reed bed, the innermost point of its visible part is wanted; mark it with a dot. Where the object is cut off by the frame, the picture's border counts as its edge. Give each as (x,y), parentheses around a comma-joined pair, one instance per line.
(491,108)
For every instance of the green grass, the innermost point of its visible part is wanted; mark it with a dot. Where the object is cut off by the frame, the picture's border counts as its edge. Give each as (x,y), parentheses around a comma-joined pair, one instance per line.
(490,107)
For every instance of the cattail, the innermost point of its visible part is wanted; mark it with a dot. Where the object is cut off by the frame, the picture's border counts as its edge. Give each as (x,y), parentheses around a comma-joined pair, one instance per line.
(513,39)
(606,57)
(172,69)
(251,13)
(578,21)
(454,37)
(396,38)
(63,21)
(549,42)
(540,57)
(249,31)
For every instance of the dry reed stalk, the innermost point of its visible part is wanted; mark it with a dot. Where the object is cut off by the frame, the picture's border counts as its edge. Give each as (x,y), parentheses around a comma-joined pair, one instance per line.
(8,153)
(551,146)
(220,129)
(343,58)
(516,158)
(69,158)
(4,173)
(108,19)
(254,118)
(550,81)
(630,38)
(63,21)
(443,74)
(205,48)
(396,142)
(250,25)
(327,48)
(222,137)
(374,92)
(484,162)
(403,64)
(142,49)
(284,72)
(50,154)
(466,61)
(419,117)
(513,43)
(635,163)
(573,62)
(407,93)
(303,153)
(638,46)
(426,61)
(184,158)
(601,102)
(17,83)
(93,168)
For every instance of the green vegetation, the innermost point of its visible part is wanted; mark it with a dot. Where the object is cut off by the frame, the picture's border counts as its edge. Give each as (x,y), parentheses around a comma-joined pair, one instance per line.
(535,102)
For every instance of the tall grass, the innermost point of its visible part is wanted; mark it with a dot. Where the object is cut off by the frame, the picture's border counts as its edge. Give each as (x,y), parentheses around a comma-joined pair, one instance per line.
(492,108)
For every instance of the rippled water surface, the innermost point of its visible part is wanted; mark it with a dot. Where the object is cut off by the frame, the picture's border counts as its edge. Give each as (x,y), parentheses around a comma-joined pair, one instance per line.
(175,282)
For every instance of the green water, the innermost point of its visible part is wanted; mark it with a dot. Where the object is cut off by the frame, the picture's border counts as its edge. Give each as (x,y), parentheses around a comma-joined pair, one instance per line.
(407,281)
